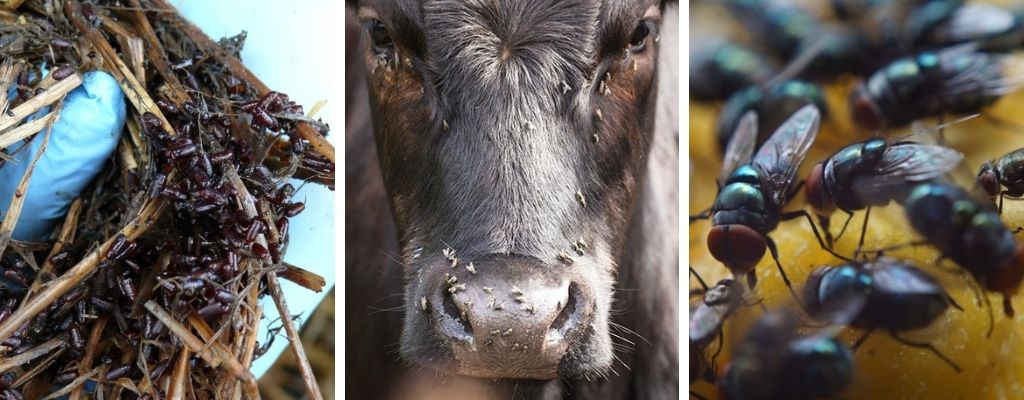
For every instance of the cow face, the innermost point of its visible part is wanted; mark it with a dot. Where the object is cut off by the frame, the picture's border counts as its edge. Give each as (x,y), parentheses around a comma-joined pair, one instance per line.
(512,137)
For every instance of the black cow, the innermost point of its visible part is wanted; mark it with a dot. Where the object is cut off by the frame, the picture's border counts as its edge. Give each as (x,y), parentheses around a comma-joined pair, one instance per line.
(525,153)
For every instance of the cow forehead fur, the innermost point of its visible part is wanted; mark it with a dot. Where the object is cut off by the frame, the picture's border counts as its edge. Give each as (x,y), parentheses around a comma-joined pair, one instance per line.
(510,164)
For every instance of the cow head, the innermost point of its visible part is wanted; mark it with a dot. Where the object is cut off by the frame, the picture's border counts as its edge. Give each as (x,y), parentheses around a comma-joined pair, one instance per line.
(512,136)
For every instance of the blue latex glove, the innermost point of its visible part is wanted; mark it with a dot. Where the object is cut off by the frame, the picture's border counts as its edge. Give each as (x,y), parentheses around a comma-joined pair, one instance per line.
(81,141)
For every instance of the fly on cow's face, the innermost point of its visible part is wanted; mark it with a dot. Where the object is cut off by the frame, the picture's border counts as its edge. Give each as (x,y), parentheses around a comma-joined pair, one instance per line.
(482,135)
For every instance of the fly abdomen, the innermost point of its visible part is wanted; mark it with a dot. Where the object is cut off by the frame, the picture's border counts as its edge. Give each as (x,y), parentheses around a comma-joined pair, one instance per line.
(958,80)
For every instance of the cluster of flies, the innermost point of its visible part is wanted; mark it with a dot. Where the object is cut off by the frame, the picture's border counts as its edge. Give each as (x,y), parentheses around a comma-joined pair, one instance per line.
(204,251)
(916,59)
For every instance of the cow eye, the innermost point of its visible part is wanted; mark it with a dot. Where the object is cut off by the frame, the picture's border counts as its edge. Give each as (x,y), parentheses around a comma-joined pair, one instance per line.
(644,30)
(379,35)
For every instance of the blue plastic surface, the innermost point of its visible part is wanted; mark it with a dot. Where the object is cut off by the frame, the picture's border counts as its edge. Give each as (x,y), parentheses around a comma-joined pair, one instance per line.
(81,141)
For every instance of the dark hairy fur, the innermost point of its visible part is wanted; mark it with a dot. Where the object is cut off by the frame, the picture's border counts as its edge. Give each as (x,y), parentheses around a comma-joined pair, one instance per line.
(482,139)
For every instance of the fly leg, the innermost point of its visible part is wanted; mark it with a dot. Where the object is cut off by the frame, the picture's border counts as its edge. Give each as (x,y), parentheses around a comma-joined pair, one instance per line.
(864,229)
(849,216)
(926,346)
(803,213)
(824,222)
(704,214)
(953,302)
(785,279)
(883,250)
(699,279)
(721,344)
(861,340)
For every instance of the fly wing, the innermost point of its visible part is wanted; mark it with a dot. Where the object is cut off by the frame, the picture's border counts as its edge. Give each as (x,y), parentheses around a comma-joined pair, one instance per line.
(893,277)
(969,73)
(779,158)
(974,22)
(741,146)
(903,165)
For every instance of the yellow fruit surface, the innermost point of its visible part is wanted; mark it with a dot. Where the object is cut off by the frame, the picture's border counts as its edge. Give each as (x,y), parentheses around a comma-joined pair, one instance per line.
(993,367)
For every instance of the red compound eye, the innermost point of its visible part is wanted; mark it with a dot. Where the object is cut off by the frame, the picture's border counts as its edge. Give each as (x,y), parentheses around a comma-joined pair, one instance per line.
(988,182)
(865,113)
(737,246)
(816,195)
(1007,279)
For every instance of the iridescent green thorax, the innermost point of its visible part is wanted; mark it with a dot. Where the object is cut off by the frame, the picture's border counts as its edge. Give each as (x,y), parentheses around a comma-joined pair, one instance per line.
(956,81)
(741,201)
(845,165)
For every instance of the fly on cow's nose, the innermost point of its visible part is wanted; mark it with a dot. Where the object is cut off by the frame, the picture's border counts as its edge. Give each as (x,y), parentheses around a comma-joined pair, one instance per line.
(523,165)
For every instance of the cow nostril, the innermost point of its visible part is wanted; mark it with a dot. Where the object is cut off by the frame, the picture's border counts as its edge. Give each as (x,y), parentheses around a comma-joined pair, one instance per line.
(453,321)
(568,317)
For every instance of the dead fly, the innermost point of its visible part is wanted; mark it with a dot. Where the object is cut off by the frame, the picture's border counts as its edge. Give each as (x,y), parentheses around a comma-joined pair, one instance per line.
(706,319)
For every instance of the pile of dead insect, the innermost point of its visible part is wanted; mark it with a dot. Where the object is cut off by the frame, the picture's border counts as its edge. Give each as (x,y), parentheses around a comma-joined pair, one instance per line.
(775,82)
(150,286)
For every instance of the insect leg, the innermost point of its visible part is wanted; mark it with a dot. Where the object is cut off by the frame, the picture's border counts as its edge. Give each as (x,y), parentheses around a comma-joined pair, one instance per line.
(861,340)
(824,222)
(926,346)
(864,228)
(988,306)
(803,213)
(751,280)
(881,251)
(849,216)
(1007,306)
(785,279)
(699,279)
(705,214)
(953,302)
(721,344)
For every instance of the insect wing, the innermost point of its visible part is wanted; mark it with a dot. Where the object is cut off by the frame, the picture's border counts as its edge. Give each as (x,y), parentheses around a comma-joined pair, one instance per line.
(780,157)
(903,280)
(741,146)
(974,22)
(902,166)
(968,73)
